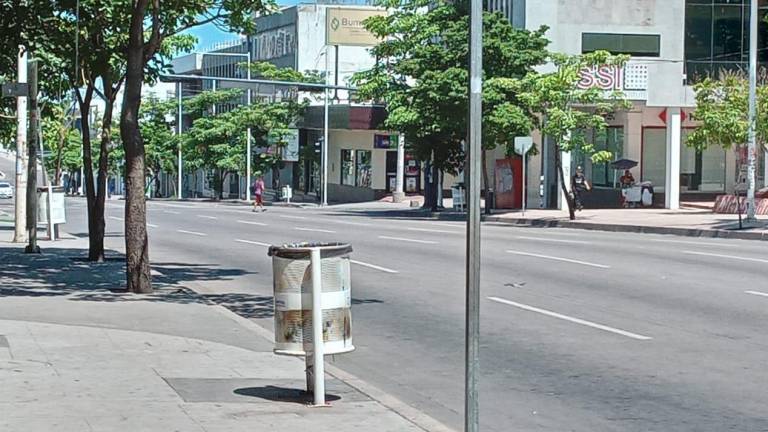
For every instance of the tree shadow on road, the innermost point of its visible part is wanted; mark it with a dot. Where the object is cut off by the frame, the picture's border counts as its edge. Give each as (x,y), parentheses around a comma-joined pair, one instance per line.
(64,273)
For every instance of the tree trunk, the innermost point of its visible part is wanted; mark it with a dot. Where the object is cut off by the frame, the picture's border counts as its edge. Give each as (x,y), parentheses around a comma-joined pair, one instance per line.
(59,152)
(138,276)
(569,198)
(95,211)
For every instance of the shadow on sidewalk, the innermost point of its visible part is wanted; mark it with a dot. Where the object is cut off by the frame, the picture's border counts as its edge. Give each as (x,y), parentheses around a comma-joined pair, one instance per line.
(64,273)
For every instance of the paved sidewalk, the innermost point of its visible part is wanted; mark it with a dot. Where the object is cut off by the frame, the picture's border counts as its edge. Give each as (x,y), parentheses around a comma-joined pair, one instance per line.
(77,355)
(686,221)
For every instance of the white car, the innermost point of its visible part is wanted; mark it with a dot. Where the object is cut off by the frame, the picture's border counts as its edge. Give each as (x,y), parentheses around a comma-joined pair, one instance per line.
(6,190)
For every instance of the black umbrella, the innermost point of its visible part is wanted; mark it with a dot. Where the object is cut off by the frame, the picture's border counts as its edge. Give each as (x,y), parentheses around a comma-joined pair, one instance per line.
(623,164)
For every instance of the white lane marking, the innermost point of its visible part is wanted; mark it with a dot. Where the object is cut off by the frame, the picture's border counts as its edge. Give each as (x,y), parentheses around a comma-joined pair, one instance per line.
(757,293)
(192,233)
(170,212)
(252,223)
(726,256)
(253,242)
(293,217)
(314,230)
(570,319)
(691,243)
(447,224)
(344,222)
(174,205)
(116,218)
(207,217)
(151,225)
(407,240)
(373,266)
(554,258)
(435,231)
(553,240)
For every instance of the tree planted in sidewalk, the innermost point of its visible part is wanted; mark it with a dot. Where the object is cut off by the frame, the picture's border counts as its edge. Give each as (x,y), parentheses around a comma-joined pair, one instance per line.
(218,142)
(422,76)
(151,23)
(563,111)
(722,113)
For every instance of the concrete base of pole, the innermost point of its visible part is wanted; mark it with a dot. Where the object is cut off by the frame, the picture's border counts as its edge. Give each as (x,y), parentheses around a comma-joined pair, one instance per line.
(398,197)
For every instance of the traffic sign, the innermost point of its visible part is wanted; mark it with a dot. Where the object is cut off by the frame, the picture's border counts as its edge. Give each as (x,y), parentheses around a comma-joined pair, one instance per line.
(523,145)
(10,90)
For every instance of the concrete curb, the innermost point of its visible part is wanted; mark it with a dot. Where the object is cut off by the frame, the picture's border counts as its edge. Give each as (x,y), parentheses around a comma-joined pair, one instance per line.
(409,413)
(686,232)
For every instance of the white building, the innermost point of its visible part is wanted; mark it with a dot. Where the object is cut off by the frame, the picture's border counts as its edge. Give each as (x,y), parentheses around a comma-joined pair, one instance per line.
(672,43)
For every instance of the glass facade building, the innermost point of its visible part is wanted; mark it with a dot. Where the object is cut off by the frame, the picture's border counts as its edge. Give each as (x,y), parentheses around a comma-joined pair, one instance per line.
(717,37)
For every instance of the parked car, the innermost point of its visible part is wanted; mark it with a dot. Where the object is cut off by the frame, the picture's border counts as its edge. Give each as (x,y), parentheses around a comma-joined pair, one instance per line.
(6,190)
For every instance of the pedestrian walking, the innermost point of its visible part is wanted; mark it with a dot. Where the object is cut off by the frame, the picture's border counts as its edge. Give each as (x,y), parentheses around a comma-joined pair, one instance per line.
(258,194)
(579,185)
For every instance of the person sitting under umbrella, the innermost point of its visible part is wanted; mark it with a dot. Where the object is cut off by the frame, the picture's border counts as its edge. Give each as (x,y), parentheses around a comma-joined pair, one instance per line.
(627,180)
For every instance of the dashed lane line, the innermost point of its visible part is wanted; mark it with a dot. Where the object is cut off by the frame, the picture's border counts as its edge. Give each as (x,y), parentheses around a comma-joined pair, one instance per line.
(732,257)
(437,231)
(373,266)
(554,258)
(407,240)
(314,230)
(195,233)
(257,243)
(552,240)
(570,319)
(251,223)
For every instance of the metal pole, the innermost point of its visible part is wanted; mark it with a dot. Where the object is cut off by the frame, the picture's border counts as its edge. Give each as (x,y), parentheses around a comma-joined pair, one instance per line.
(399,193)
(324,150)
(46,182)
(179,193)
(248,132)
(471,407)
(752,148)
(34,124)
(318,349)
(525,178)
(20,234)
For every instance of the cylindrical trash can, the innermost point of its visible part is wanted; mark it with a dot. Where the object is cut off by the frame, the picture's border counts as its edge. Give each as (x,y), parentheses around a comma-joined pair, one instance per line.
(292,272)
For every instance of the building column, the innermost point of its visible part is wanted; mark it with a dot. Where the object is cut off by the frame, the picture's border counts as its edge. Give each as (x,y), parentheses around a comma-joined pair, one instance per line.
(672,182)
(399,195)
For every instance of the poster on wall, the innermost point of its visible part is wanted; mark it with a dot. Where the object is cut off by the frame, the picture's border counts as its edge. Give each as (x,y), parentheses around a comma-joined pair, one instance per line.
(385,141)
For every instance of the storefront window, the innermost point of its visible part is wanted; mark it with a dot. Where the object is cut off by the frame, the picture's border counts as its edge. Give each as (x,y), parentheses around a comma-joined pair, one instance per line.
(347,168)
(610,139)
(356,168)
(699,171)
(654,157)
(363,169)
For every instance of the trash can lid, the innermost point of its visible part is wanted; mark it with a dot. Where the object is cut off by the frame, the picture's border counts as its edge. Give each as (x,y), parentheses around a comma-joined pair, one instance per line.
(304,249)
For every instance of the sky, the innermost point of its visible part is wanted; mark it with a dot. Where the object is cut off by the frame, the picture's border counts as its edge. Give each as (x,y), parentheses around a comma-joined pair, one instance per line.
(208,35)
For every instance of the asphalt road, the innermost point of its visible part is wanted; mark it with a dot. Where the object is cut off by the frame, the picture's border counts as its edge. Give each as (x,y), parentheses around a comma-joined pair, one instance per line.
(581,331)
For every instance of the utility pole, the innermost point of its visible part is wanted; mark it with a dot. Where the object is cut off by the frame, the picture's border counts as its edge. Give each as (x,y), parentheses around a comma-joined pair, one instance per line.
(179,119)
(20,234)
(472,336)
(324,149)
(751,144)
(248,138)
(32,140)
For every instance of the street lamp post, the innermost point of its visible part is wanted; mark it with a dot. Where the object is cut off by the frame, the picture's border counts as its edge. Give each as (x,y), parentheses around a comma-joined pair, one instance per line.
(751,143)
(179,193)
(472,326)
